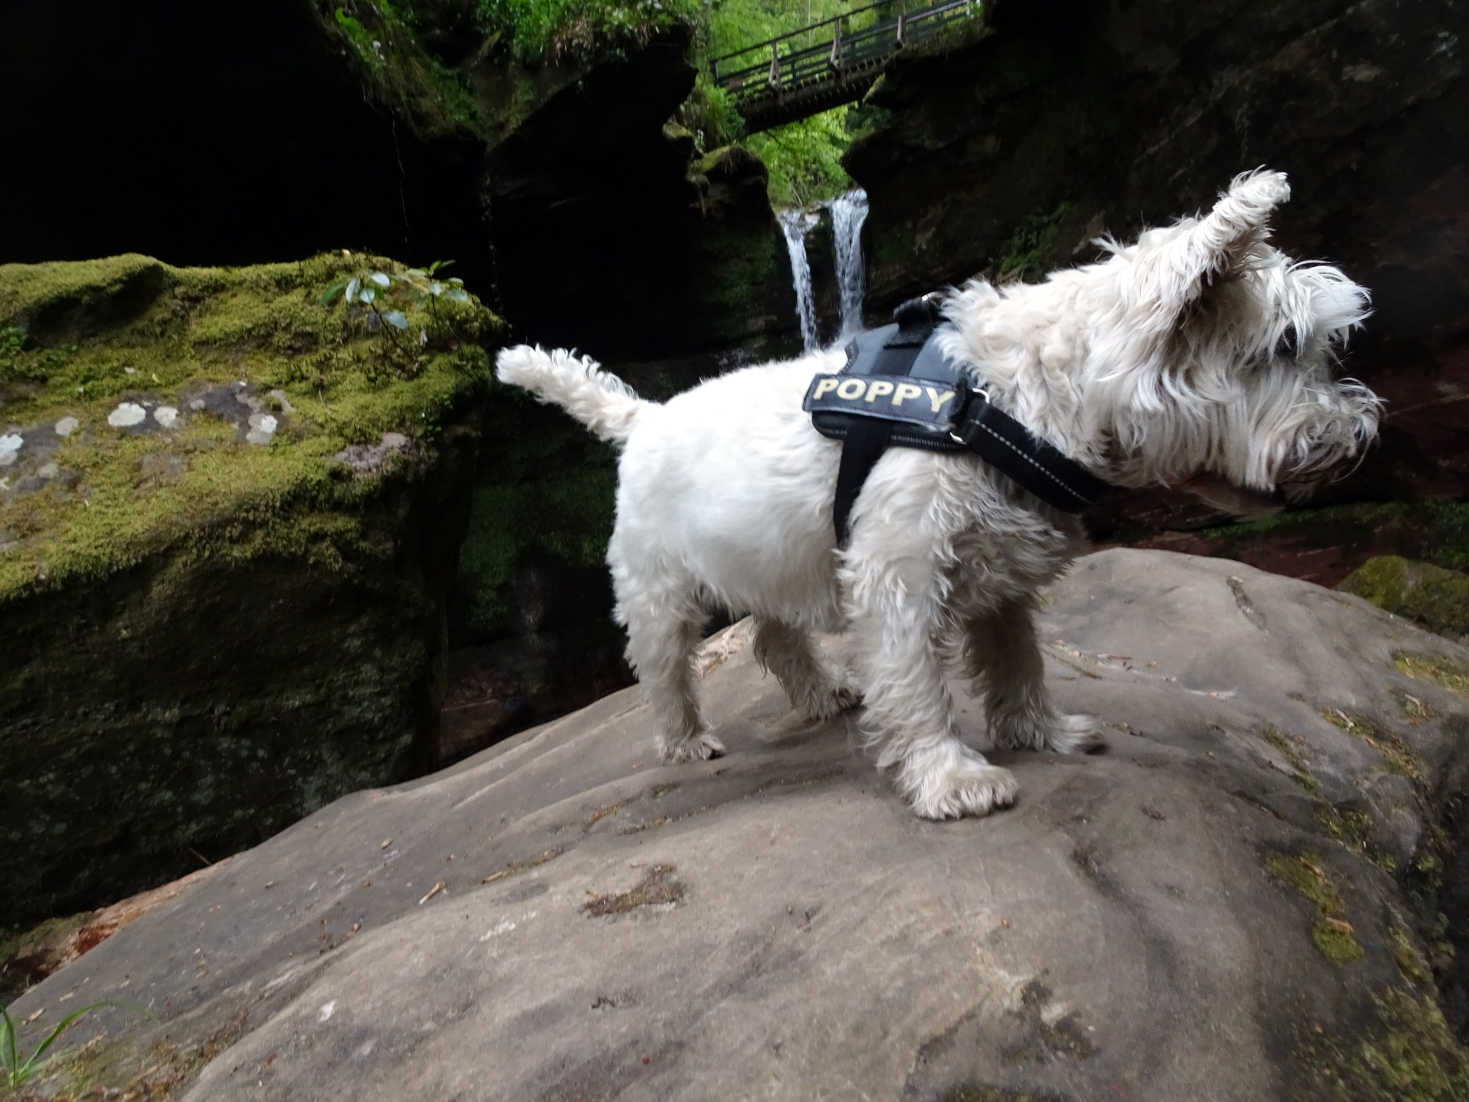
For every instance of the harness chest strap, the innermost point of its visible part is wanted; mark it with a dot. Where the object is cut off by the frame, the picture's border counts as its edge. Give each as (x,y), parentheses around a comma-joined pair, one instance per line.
(898,389)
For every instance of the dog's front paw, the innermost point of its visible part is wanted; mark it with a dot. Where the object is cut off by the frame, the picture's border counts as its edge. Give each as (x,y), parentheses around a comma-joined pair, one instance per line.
(696,747)
(968,789)
(1076,734)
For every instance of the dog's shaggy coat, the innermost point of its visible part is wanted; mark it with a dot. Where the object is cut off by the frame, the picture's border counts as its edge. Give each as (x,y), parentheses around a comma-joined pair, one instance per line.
(1198,350)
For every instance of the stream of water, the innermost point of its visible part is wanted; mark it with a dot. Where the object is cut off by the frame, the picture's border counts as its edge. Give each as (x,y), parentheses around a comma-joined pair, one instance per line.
(797,224)
(847,213)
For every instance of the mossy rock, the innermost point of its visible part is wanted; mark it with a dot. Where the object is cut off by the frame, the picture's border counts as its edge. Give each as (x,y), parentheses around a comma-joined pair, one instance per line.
(388,56)
(229,518)
(1429,595)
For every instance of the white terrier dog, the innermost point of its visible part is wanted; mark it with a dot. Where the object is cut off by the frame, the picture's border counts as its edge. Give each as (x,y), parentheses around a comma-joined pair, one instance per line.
(1199,350)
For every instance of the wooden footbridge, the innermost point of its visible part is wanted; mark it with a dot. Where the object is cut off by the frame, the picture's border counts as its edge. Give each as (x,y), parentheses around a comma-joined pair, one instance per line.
(827,63)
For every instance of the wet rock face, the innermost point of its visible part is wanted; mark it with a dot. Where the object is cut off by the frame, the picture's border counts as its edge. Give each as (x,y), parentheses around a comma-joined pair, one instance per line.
(1008,156)
(1241,898)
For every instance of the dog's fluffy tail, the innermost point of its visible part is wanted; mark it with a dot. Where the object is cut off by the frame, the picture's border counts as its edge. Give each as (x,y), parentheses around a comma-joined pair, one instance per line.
(596,398)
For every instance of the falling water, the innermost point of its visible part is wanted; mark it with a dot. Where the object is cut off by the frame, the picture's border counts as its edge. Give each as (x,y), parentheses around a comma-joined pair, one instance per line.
(797,224)
(848,212)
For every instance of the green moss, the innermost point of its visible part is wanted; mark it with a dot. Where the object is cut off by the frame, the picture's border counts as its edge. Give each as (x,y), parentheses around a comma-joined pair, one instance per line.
(123,1068)
(1414,709)
(1407,1054)
(1330,931)
(1290,748)
(130,326)
(1443,672)
(1429,595)
(1029,252)
(1393,750)
(1352,829)
(394,66)
(1410,961)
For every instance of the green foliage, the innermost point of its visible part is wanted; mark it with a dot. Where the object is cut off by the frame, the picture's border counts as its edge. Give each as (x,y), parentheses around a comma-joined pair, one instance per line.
(18,1072)
(733,24)
(805,158)
(388,295)
(398,71)
(550,30)
(709,115)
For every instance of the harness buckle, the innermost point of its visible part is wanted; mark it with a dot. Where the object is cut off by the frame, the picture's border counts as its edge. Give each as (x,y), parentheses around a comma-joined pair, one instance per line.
(965,391)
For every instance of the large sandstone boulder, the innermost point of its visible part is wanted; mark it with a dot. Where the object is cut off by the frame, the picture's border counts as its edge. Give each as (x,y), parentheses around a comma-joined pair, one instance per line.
(1250,895)
(229,521)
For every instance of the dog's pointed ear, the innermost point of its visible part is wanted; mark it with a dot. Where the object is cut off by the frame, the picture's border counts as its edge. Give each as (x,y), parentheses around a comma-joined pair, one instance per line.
(1218,243)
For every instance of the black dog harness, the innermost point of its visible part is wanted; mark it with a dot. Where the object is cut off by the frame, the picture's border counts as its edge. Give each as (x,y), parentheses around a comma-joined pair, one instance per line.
(898,389)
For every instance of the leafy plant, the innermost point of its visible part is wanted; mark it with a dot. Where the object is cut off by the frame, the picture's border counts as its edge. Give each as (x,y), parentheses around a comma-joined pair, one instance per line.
(398,292)
(18,1072)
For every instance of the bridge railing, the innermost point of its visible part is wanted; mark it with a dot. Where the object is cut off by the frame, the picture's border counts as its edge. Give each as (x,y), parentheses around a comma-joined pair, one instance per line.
(767,71)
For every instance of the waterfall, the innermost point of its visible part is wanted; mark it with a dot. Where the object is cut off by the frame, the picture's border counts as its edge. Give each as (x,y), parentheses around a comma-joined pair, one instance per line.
(797,224)
(848,212)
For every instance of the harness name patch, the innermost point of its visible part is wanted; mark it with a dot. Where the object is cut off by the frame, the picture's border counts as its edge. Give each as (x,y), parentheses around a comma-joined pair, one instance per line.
(888,397)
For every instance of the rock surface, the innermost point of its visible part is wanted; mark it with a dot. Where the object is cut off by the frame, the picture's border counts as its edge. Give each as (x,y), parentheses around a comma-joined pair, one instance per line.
(1239,900)
(223,569)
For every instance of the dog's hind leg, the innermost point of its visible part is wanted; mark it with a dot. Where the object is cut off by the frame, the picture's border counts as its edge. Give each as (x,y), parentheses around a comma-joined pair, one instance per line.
(788,653)
(909,711)
(660,647)
(1004,658)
